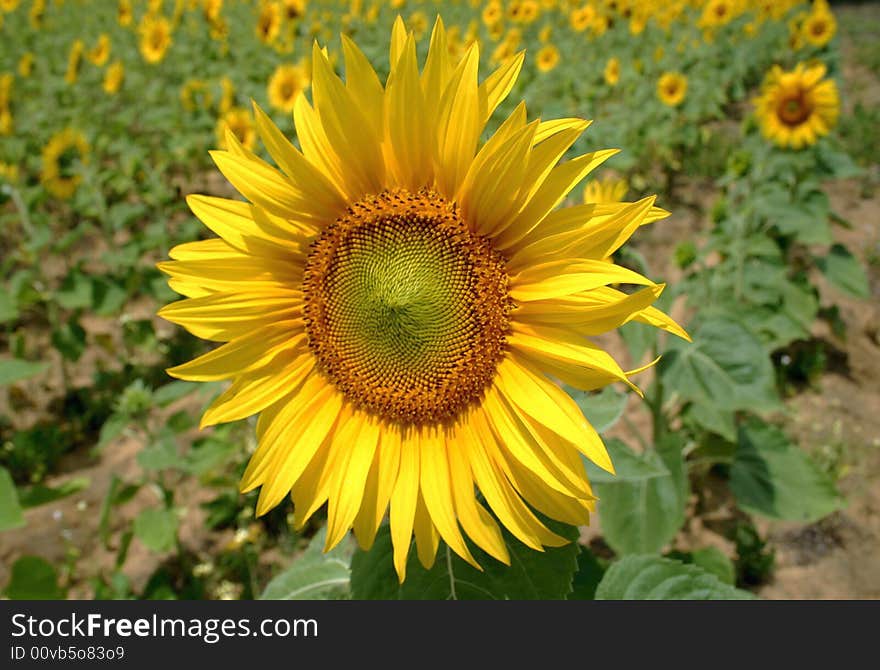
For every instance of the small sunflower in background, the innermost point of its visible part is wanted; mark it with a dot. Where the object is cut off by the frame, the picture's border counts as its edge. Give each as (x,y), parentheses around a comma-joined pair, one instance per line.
(797,107)
(611,73)
(227,95)
(268,22)
(9,6)
(113,78)
(25,65)
(819,26)
(62,155)
(155,39)
(285,86)
(672,88)
(100,53)
(582,18)
(239,122)
(605,191)
(36,14)
(124,14)
(74,61)
(8,172)
(397,297)
(294,9)
(7,122)
(547,58)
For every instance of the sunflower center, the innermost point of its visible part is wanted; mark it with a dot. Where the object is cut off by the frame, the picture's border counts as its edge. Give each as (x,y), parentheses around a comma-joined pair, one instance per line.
(794,110)
(406,308)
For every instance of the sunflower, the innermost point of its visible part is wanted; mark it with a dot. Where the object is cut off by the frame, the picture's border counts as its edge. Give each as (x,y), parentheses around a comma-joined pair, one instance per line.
(211,10)
(606,191)
(818,27)
(9,5)
(61,155)
(240,124)
(155,38)
(124,14)
(716,13)
(74,61)
(113,78)
(26,64)
(612,71)
(227,95)
(7,123)
(671,88)
(548,58)
(492,13)
(8,172)
(285,86)
(36,14)
(6,80)
(294,9)
(582,18)
(269,22)
(399,299)
(100,53)
(797,107)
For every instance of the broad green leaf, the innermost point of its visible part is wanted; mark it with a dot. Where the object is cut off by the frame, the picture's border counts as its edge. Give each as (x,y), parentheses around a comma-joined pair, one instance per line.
(75,291)
(726,365)
(33,578)
(714,419)
(775,478)
(655,578)
(172,391)
(602,409)
(532,575)
(845,271)
(14,370)
(639,338)
(8,307)
(156,527)
(111,429)
(589,573)
(313,575)
(10,508)
(160,456)
(642,516)
(628,465)
(38,494)
(713,560)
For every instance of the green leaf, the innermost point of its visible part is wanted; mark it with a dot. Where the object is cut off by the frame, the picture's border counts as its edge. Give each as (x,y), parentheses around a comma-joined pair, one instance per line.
(726,366)
(643,515)
(8,307)
(773,477)
(531,575)
(75,291)
(628,465)
(111,429)
(586,579)
(159,456)
(40,494)
(639,338)
(715,561)
(33,578)
(602,409)
(655,578)
(14,369)
(714,419)
(167,394)
(314,575)
(845,271)
(156,527)
(10,508)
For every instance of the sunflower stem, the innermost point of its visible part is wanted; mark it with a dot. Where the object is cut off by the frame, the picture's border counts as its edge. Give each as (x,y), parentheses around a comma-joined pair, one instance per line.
(452,594)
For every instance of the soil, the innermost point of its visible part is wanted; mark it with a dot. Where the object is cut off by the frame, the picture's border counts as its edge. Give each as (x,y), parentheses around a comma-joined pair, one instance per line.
(837,418)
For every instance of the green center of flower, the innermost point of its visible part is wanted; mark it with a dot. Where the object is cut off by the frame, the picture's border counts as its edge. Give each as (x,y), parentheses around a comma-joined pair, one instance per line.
(406,309)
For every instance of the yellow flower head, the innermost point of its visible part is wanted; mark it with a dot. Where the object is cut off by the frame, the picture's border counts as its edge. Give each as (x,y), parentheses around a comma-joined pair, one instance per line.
(8,172)
(211,10)
(605,191)
(124,15)
(9,6)
(717,13)
(672,88)
(797,107)
(6,80)
(818,27)
(582,18)
(100,53)
(61,158)
(612,71)
(492,13)
(227,95)
(269,22)
(294,9)
(285,86)
(155,38)
(37,13)
(545,34)
(398,299)
(26,64)
(239,123)
(113,78)
(74,61)
(548,58)
(7,123)
(418,24)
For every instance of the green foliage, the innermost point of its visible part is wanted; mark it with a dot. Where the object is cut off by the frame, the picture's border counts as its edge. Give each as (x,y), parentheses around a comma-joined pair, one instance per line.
(655,578)
(14,370)
(33,578)
(531,574)
(156,528)
(772,477)
(10,508)
(314,575)
(754,559)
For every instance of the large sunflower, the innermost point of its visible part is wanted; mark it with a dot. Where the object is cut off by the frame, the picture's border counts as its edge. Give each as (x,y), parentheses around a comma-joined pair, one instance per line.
(398,301)
(797,107)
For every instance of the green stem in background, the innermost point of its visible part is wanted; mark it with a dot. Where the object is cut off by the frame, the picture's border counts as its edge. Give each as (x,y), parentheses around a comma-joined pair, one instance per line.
(655,403)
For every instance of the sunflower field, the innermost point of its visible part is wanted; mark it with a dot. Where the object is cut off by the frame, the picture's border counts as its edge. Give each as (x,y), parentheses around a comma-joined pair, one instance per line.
(542,299)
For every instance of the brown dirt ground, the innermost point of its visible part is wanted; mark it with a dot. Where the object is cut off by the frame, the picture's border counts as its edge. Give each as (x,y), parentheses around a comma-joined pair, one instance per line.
(833,559)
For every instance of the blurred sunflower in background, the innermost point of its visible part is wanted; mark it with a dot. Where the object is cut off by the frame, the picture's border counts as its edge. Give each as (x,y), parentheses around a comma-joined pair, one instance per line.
(797,107)
(285,86)
(239,122)
(155,39)
(74,61)
(268,22)
(611,73)
(398,299)
(819,26)
(113,78)
(61,158)
(547,58)
(607,190)
(26,64)
(672,88)
(100,53)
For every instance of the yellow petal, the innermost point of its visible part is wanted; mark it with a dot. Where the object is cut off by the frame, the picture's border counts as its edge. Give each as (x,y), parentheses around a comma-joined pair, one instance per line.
(403,502)
(566,277)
